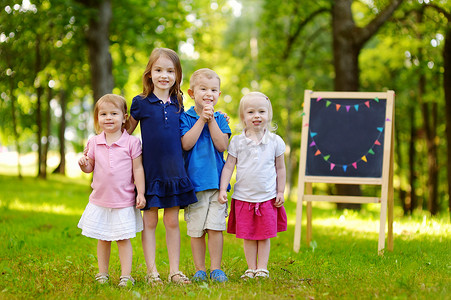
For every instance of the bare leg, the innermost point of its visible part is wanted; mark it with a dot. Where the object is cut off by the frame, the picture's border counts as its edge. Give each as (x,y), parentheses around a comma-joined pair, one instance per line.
(171,223)
(103,255)
(198,249)
(250,252)
(125,256)
(215,246)
(150,218)
(263,249)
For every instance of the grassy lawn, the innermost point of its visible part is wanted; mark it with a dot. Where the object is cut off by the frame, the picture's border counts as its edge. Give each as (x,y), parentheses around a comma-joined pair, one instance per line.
(43,254)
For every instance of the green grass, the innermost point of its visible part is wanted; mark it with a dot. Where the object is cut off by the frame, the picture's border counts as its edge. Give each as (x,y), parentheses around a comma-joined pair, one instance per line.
(43,254)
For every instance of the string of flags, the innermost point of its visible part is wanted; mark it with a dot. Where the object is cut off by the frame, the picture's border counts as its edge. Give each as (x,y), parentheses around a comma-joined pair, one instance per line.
(344,167)
(347,107)
(327,157)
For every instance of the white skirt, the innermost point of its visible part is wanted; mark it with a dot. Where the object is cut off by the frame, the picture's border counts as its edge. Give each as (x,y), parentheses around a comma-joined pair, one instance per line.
(110,224)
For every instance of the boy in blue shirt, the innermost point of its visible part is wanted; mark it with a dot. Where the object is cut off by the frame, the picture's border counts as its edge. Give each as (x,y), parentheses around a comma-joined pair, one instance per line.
(205,136)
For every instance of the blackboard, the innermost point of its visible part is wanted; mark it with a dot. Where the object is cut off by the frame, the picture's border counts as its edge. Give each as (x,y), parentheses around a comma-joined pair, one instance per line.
(345,137)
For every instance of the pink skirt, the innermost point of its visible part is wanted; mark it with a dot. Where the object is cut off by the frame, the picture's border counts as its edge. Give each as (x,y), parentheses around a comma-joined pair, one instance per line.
(256,221)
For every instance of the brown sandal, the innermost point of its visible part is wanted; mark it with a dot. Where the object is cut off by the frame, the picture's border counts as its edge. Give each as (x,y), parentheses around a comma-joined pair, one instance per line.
(179,278)
(153,278)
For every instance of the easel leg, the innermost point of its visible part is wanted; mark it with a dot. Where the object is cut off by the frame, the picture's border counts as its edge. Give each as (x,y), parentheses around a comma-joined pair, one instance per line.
(383,219)
(309,191)
(298,225)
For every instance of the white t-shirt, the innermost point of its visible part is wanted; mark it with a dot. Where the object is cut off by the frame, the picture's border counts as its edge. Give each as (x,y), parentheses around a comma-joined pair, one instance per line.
(256,166)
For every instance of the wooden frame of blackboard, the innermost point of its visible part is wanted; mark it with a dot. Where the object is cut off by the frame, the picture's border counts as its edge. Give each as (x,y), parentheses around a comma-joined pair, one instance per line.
(385,180)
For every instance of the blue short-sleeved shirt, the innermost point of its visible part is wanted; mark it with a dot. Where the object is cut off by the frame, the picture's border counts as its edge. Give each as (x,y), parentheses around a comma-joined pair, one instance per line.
(203,162)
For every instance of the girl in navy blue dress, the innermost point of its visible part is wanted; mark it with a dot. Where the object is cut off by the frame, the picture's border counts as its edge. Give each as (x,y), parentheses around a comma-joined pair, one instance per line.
(158,110)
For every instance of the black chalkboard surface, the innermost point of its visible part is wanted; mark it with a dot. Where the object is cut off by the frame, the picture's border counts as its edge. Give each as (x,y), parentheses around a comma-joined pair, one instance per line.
(346,137)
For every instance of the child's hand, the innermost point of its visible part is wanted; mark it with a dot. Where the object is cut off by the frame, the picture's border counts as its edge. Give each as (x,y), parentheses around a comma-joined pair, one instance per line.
(279,200)
(140,201)
(225,116)
(83,161)
(222,198)
(207,112)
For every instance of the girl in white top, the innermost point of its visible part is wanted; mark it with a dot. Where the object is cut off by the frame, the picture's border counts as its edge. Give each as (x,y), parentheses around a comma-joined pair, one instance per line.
(257,211)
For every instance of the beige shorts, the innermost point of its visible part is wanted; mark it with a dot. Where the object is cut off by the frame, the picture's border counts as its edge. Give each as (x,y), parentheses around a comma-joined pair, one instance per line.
(206,213)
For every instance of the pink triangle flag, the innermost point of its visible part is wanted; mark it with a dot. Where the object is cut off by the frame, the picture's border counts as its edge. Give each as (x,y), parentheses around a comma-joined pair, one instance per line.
(377,143)
(367,103)
(332,166)
(318,99)
(354,164)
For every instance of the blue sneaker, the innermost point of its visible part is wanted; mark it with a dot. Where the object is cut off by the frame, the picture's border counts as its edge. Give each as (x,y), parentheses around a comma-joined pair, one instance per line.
(218,275)
(199,276)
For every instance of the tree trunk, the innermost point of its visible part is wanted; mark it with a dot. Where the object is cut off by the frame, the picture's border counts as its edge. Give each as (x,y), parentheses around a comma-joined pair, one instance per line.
(61,169)
(48,119)
(39,132)
(447,88)
(348,40)
(14,119)
(412,162)
(100,60)
(430,128)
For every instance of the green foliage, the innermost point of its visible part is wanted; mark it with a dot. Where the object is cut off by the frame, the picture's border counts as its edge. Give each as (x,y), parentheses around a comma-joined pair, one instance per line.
(43,254)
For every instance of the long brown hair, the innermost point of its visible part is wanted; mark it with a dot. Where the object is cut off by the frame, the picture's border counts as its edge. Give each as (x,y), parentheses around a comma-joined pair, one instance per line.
(148,85)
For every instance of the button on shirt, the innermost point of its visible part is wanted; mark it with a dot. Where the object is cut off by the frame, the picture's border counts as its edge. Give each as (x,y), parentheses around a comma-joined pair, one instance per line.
(256,177)
(113,183)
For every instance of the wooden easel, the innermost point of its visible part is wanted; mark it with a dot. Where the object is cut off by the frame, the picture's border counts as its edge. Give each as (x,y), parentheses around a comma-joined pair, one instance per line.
(385,181)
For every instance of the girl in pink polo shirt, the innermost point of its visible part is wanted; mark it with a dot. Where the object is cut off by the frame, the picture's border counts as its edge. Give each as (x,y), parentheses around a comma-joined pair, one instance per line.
(112,213)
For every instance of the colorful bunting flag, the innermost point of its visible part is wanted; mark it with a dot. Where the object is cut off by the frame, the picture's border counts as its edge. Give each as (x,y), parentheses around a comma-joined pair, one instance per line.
(317,152)
(337,106)
(364,158)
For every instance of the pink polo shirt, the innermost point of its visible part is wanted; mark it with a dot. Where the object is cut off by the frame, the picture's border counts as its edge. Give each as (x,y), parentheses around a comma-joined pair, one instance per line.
(113,183)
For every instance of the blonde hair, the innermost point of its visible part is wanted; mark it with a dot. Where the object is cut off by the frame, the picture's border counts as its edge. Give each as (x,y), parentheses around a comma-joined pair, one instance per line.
(205,72)
(252,96)
(117,101)
(148,85)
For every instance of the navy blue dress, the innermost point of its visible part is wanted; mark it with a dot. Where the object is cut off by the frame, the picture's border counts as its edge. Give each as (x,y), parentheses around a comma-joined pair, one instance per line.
(167,183)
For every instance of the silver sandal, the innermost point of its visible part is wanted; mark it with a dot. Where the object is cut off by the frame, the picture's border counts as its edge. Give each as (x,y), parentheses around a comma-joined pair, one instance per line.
(102,278)
(249,274)
(124,280)
(261,273)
